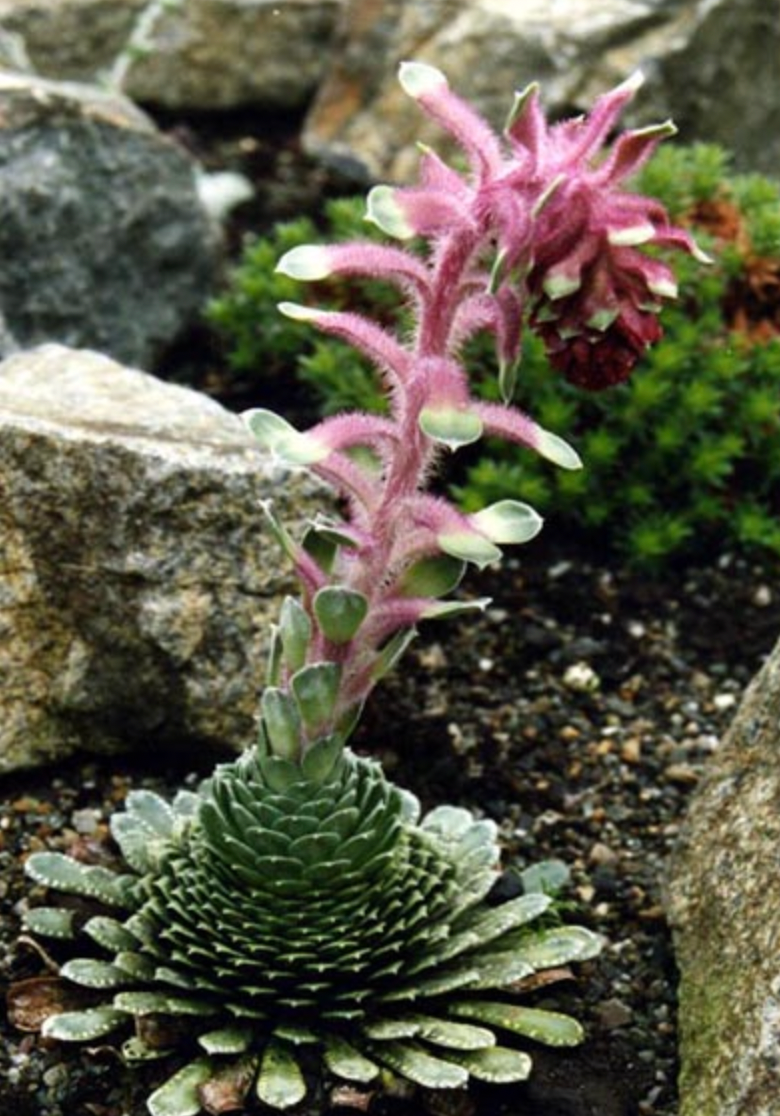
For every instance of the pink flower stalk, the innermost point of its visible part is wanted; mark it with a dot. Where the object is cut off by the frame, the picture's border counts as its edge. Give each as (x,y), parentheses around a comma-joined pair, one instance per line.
(539,229)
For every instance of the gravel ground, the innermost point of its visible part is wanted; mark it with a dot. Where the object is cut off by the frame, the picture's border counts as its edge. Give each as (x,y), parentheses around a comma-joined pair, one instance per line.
(578,714)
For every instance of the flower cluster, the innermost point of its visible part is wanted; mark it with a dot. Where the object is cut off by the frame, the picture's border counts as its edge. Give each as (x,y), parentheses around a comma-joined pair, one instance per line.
(538,230)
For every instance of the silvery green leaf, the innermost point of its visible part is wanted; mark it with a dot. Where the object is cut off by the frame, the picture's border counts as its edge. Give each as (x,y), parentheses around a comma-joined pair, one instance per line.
(93,974)
(385,1029)
(469,546)
(560,945)
(549,1027)
(280,774)
(498,1065)
(65,874)
(548,876)
(432,577)
(295,631)
(392,652)
(498,970)
(455,1036)
(344,1061)
(418,1066)
(316,689)
(383,210)
(83,1026)
(152,811)
(280,1083)
(179,1095)
(282,723)
(297,1035)
(135,964)
(141,1003)
(438,610)
(508,521)
(50,922)
(320,759)
(277,435)
(134,840)
(451,426)
(227,1040)
(339,612)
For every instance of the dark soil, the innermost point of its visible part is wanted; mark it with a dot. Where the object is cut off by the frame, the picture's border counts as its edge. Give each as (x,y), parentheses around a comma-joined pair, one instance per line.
(578,713)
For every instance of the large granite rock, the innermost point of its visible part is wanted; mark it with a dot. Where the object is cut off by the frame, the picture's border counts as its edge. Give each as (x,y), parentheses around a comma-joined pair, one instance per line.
(207,53)
(137,577)
(710,64)
(724,906)
(104,240)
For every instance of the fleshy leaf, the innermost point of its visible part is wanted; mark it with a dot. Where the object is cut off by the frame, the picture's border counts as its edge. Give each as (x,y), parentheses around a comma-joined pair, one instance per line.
(508,521)
(226,1040)
(557,450)
(110,933)
(93,974)
(295,632)
(469,546)
(307,262)
(320,759)
(316,689)
(451,426)
(280,1083)
(499,1065)
(277,435)
(343,1060)
(339,612)
(282,722)
(179,1095)
(83,1026)
(432,577)
(549,1027)
(392,652)
(419,1066)
(50,922)
(65,874)
(437,610)
(384,211)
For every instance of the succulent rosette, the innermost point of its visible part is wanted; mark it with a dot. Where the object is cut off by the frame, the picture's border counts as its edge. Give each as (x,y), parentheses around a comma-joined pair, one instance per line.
(305,916)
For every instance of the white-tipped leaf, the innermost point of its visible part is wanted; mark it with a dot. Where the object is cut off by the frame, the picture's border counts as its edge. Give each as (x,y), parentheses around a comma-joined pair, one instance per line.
(557,450)
(508,521)
(277,436)
(451,426)
(418,78)
(307,262)
(383,210)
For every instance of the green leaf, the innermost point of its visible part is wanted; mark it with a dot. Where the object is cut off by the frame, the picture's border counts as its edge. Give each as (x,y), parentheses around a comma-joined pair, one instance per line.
(549,1027)
(277,435)
(508,521)
(280,774)
(93,974)
(141,1003)
(227,1040)
(280,1083)
(320,759)
(548,877)
(417,1065)
(440,609)
(179,1095)
(151,811)
(344,1061)
(295,631)
(432,577)
(383,210)
(282,722)
(499,1065)
(451,426)
(65,874)
(316,689)
(391,652)
(469,546)
(339,612)
(83,1026)
(455,1036)
(50,922)
(560,945)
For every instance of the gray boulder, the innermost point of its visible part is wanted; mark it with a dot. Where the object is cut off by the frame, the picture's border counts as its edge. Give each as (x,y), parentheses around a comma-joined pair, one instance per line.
(103,237)
(710,64)
(206,54)
(724,906)
(137,576)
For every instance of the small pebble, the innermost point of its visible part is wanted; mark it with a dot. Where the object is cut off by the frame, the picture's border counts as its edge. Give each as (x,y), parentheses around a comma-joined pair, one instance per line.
(581,678)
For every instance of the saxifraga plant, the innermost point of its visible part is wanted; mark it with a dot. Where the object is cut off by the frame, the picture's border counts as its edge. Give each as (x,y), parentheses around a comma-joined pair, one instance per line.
(297,910)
